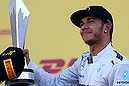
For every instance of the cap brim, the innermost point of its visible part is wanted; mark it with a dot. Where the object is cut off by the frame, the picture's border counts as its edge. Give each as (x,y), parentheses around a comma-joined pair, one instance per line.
(77,16)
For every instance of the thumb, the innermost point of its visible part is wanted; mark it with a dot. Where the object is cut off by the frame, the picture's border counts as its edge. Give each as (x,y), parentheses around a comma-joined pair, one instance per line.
(26,53)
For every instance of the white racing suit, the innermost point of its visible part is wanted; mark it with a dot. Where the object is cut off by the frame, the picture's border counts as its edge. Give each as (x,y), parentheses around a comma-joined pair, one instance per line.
(109,68)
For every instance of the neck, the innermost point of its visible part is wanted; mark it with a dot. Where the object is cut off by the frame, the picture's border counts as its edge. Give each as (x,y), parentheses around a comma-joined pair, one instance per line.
(97,47)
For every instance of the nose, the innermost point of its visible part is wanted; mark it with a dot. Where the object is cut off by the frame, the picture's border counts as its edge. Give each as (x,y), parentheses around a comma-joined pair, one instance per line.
(84,26)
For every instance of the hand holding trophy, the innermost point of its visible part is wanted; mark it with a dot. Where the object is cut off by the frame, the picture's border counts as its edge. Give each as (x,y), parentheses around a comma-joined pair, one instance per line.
(19,18)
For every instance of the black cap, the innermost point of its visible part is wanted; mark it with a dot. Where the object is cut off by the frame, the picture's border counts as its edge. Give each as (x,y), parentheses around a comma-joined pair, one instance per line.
(97,11)
(11,63)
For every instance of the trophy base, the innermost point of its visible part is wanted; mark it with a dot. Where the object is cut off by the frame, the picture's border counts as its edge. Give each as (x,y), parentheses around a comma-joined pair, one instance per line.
(20,82)
(25,79)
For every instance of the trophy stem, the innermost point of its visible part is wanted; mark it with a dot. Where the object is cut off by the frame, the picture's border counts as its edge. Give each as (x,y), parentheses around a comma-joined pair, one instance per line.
(25,64)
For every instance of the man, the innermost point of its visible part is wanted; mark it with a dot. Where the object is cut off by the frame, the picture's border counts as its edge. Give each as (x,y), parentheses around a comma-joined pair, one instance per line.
(102,66)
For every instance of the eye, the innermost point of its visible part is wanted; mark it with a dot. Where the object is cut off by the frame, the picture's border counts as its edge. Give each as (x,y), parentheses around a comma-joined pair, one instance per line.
(91,20)
(81,24)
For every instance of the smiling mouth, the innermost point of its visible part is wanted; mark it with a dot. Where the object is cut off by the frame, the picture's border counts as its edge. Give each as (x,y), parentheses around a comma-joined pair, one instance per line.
(86,33)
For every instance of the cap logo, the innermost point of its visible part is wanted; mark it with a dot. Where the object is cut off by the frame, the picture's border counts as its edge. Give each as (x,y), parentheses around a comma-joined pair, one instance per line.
(88,8)
(9,68)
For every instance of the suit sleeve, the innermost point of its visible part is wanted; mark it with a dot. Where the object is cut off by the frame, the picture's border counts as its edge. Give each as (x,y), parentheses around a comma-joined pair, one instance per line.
(68,77)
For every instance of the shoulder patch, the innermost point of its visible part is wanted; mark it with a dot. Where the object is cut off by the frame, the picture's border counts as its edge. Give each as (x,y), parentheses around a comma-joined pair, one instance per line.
(118,55)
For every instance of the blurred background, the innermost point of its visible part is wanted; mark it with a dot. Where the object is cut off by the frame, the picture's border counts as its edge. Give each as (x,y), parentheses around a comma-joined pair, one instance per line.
(53,41)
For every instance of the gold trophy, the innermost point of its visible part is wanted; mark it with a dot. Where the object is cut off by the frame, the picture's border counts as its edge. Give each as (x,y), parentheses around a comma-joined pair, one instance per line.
(19,18)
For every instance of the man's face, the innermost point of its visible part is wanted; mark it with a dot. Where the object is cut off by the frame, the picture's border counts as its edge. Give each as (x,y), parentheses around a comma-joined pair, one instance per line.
(91,30)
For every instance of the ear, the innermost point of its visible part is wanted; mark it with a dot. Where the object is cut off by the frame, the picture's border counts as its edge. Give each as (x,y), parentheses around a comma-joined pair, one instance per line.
(107,27)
